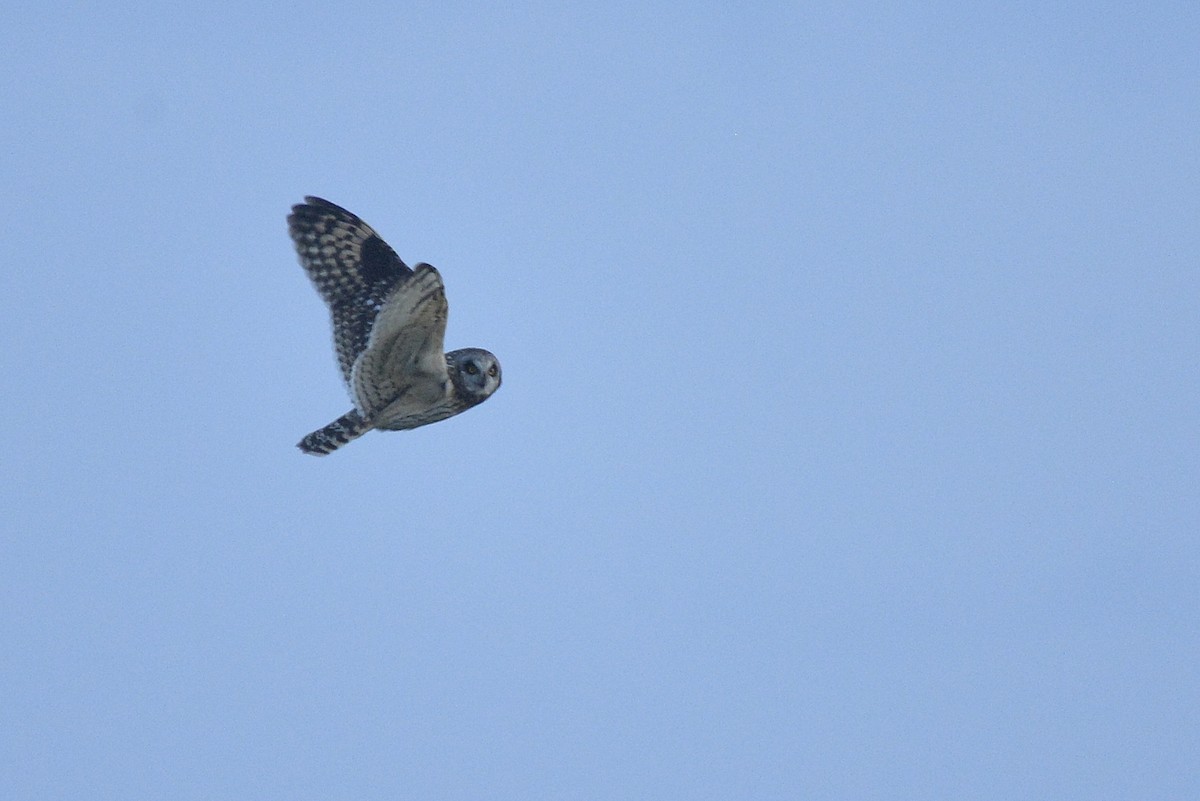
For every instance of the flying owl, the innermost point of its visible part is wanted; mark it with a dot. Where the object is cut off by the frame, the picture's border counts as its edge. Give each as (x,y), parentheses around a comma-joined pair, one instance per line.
(389,321)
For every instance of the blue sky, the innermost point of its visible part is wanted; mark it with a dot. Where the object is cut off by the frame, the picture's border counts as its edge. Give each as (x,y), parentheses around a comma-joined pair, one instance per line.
(847,447)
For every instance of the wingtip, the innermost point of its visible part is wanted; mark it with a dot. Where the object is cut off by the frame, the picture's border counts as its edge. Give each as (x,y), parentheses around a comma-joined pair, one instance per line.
(304,447)
(314,202)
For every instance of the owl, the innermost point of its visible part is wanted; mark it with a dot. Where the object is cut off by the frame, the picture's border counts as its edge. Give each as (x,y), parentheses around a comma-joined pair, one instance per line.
(389,321)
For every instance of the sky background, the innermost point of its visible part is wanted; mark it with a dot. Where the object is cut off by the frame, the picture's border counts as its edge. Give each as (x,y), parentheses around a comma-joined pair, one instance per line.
(848,446)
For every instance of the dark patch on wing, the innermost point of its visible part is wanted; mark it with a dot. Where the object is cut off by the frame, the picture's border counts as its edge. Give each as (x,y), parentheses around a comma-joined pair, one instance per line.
(380,264)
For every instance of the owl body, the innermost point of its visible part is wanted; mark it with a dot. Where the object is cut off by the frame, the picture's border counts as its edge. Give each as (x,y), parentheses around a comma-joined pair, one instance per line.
(389,323)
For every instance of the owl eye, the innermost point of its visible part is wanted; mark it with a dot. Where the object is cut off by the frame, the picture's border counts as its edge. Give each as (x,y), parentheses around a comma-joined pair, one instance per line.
(471,368)
(492,371)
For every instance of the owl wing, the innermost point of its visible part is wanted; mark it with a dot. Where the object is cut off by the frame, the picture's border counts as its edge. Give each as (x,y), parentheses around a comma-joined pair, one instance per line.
(352,268)
(405,358)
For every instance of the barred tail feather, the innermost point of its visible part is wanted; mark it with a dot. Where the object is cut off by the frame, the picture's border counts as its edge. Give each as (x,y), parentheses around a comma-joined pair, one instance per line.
(333,436)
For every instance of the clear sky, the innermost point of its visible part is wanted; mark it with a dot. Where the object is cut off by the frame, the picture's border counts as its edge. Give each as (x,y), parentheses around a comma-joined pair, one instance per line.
(848,442)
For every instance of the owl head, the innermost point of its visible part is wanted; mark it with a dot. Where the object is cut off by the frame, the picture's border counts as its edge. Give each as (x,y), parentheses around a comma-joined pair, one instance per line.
(475,374)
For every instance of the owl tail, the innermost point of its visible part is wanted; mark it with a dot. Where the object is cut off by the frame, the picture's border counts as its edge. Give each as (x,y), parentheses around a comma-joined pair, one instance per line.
(333,436)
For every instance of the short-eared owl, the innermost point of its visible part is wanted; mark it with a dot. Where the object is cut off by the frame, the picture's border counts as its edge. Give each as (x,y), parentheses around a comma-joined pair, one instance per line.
(389,321)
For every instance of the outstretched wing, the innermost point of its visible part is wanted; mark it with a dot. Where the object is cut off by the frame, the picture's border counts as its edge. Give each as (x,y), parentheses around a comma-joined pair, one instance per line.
(352,268)
(404,359)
